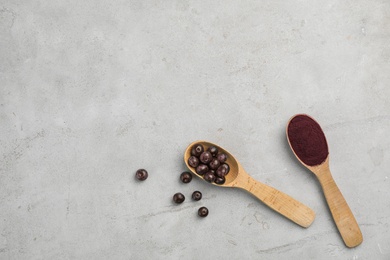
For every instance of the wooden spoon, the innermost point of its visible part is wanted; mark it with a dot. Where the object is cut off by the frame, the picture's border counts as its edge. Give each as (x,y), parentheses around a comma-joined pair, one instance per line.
(238,178)
(305,137)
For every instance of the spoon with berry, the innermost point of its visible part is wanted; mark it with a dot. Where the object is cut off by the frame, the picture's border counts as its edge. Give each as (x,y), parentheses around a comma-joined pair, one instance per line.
(217,166)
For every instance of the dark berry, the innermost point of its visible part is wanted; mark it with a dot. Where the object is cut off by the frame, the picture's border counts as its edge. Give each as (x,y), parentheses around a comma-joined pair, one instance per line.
(196,195)
(212,171)
(197,150)
(205,157)
(141,174)
(186,177)
(203,212)
(178,198)
(225,165)
(222,170)
(222,157)
(202,169)
(193,161)
(213,150)
(209,176)
(220,180)
(214,164)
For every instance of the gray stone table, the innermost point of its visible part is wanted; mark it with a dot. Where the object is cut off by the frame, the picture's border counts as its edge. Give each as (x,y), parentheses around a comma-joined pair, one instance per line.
(90,91)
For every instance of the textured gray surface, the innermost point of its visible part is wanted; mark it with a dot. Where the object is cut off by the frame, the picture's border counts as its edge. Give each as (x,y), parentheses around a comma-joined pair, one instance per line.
(90,91)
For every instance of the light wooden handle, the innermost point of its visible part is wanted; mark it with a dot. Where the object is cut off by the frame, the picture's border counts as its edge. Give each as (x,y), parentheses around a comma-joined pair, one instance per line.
(280,202)
(342,214)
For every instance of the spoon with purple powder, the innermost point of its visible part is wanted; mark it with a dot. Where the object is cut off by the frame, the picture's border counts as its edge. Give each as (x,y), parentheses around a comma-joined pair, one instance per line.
(308,142)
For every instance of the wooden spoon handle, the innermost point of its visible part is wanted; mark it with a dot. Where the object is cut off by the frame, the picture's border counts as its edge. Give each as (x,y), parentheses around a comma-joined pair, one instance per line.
(342,214)
(280,202)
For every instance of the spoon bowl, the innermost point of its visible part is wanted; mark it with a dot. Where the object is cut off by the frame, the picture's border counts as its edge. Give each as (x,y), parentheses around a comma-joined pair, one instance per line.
(273,198)
(231,178)
(309,145)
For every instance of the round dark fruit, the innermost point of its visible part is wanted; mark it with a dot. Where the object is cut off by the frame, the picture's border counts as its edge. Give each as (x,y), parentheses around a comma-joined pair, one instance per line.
(220,180)
(196,195)
(222,157)
(214,164)
(222,170)
(197,150)
(193,161)
(203,212)
(178,198)
(209,176)
(202,169)
(205,157)
(141,174)
(225,165)
(186,177)
(213,150)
